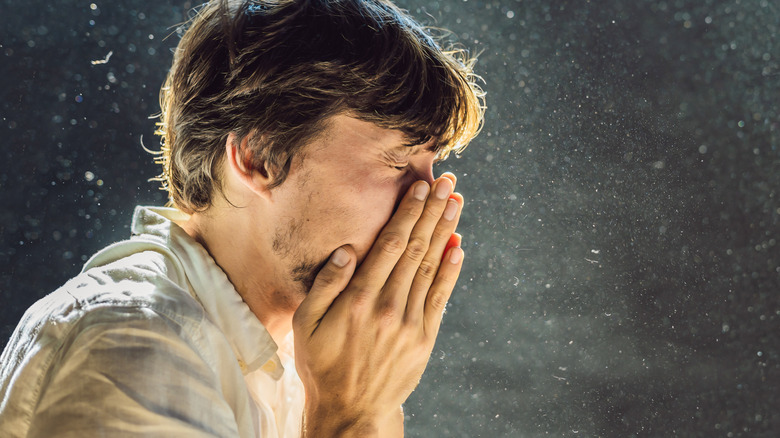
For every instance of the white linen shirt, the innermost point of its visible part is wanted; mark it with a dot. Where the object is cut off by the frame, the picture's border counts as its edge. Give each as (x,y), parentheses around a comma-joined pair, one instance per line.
(151,339)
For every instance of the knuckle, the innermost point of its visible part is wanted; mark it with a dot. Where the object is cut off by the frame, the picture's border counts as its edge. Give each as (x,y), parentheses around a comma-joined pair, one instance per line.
(437,300)
(326,276)
(387,312)
(427,269)
(407,213)
(411,321)
(392,243)
(433,213)
(411,210)
(359,301)
(441,233)
(416,248)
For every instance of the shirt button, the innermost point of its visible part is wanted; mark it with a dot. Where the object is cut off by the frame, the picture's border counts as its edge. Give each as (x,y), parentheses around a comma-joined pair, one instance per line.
(269,367)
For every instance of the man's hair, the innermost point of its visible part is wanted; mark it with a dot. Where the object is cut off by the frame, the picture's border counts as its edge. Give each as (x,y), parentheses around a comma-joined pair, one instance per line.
(276,71)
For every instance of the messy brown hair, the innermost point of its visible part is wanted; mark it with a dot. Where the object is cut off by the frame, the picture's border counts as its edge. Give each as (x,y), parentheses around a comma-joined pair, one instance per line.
(276,71)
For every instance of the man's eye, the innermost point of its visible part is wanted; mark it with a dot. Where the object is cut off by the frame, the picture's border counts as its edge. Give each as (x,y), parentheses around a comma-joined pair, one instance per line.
(400,166)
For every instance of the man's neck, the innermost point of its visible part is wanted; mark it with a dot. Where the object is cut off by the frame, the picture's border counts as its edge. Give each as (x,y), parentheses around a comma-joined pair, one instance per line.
(248,268)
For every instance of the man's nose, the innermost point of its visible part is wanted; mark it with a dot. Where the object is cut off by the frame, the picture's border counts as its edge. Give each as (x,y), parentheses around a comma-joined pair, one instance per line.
(423,174)
(427,175)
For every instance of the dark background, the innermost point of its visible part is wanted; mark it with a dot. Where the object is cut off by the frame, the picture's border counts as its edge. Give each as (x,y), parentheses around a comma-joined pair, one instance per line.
(622,271)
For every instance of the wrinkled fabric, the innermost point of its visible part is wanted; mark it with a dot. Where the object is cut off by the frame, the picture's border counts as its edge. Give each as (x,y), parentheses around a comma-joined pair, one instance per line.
(151,339)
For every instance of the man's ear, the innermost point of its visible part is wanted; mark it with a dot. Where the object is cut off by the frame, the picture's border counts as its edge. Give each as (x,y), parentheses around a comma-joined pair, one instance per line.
(243,166)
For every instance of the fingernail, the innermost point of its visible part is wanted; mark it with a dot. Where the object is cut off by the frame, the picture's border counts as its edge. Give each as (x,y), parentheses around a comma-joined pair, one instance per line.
(443,188)
(340,257)
(451,210)
(455,255)
(421,191)
(451,176)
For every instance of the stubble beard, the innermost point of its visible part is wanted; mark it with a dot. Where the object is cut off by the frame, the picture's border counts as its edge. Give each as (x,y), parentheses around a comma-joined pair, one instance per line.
(288,244)
(304,274)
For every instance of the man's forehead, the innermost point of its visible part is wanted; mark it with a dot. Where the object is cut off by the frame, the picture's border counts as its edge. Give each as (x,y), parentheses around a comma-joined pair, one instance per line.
(374,136)
(367,131)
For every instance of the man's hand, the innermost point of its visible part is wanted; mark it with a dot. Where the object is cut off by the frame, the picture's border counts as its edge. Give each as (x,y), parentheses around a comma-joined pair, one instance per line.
(363,341)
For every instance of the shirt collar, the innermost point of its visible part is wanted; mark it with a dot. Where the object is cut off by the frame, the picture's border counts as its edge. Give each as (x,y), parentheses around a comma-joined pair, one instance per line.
(252,344)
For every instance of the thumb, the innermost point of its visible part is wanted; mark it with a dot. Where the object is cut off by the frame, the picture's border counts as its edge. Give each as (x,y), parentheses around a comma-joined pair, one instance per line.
(330,281)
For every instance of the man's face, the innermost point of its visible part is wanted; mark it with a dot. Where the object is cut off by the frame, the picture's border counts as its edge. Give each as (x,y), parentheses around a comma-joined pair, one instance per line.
(343,191)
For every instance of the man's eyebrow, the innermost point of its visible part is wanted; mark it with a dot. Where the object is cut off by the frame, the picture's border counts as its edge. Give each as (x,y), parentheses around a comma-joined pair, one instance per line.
(415,149)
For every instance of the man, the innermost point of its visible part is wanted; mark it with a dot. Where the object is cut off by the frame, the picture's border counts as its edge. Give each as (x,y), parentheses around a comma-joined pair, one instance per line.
(297,286)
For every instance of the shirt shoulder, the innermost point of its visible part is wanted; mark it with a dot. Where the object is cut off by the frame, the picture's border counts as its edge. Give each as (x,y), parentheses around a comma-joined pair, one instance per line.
(133,333)
(141,280)
(131,287)
(128,287)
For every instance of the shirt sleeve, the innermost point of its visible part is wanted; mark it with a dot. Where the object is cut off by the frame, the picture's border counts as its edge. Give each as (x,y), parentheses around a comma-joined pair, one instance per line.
(126,372)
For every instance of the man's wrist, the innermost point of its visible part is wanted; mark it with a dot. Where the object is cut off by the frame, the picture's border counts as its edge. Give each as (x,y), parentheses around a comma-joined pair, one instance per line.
(327,423)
